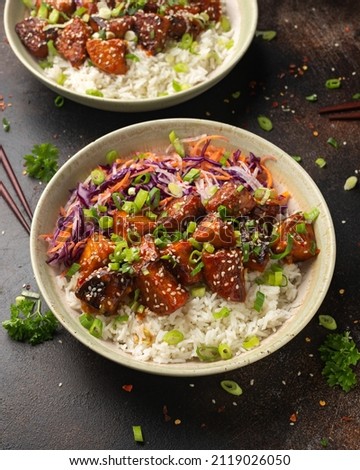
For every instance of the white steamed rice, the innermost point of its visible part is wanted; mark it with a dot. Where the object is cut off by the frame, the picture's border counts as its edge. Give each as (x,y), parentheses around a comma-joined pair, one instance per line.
(142,337)
(151,76)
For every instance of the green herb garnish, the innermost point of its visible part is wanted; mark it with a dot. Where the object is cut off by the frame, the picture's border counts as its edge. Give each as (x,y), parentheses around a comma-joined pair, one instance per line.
(27,324)
(42,163)
(339,353)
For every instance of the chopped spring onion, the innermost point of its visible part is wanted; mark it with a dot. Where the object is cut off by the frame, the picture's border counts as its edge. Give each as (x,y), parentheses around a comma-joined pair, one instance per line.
(225,23)
(333,142)
(6,125)
(333,83)
(138,435)
(266,35)
(129,207)
(208,247)
(96,328)
(225,351)
(300,227)
(231,387)
(265,123)
(154,198)
(142,179)
(121,319)
(92,92)
(181,67)
(192,175)
(198,291)
(74,268)
(251,342)
(111,156)
(173,337)
(54,16)
(106,222)
(222,313)
(297,158)
(328,322)
(97,176)
(350,183)
(207,353)
(59,101)
(186,41)
(86,320)
(175,189)
(312,215)
(178,146)
(259,301)
(320,162)
(132,57)
(141,198)
(312,97)
(191,227)
(287,251)
(195,257)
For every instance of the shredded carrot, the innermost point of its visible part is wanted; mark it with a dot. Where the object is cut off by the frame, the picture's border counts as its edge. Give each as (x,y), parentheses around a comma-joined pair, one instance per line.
(200,142)
(269,179)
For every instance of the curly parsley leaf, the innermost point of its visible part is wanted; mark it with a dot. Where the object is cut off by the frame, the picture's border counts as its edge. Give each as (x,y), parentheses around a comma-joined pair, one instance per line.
(42,163)
(339,353)
(27,324)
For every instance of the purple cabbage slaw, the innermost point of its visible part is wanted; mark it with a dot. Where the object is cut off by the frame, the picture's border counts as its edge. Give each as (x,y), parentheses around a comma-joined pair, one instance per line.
(163,168)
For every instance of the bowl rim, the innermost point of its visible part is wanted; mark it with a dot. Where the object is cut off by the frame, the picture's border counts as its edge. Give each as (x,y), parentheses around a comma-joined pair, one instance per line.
(129,105)
(187,369)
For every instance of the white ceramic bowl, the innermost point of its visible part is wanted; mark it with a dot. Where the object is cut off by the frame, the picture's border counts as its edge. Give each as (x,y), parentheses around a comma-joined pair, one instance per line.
(243,15)
(154,134)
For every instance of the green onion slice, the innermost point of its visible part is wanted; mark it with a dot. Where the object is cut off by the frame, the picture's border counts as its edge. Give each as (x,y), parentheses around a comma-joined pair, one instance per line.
(97,176)
(141,198)
(86,320)
(111,156)
(198,291)
(259,301)
(265,123)
(251,342)
(328,322)
(173,337)
(138,435)
(96,328)
(350,183)
(74,268)
(231,387)
(225,351)
(312,215)
(222,313)
(106,222)
(333,83)
(178,146)
(320,162)
(207,353)
(192,175)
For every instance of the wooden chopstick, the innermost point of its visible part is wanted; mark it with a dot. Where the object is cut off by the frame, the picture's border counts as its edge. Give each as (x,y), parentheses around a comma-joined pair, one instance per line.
(344,116)
(12,204)
(14,181)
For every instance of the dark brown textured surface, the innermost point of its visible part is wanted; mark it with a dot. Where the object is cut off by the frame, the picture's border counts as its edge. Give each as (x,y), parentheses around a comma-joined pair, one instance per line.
(60,395)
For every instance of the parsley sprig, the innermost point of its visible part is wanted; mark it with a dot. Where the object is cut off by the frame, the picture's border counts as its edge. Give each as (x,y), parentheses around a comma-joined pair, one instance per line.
(27,324)
(42,163)
(339,353)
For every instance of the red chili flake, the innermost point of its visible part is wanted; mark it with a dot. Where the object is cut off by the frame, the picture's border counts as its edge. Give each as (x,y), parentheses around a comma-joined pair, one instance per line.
(293,418)
(347,419)
(127,387)
(275,104)
(221,409)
